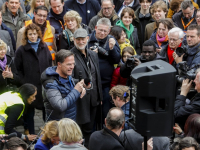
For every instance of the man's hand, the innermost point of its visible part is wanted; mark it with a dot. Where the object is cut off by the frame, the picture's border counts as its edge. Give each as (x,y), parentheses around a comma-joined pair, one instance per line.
(177,129)
(149,144)
(158,49)
(31,137)
(177,58)
(186,86)
(111,43)
(79,86)
(95,50)
(137,61)
(83,93)
(7,73)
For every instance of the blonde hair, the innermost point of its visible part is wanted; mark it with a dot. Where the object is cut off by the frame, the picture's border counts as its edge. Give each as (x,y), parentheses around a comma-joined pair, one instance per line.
(50,130)
(120,90)
(73,14)
(159,4)
(33,3)
(69,131)
(3,45)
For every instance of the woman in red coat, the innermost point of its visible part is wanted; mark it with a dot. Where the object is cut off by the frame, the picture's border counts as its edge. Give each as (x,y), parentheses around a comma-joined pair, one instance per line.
(127,52)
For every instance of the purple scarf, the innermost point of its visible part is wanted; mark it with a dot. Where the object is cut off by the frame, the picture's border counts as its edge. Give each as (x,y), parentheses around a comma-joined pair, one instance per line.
(3,63)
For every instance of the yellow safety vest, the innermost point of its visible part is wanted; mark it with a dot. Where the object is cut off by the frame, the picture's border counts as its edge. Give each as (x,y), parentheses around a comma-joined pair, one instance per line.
(47,38)
(6,100)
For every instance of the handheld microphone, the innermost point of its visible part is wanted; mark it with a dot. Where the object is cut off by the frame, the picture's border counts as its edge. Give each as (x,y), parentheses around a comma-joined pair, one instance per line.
(80,75)
(10,136)
(87,81)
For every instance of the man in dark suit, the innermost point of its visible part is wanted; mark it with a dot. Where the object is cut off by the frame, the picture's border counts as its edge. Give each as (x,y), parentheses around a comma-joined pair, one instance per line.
(87,68)
(86,8)
(108,138)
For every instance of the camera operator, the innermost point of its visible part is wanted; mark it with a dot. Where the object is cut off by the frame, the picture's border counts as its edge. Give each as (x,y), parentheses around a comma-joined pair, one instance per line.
(192,56)
(108,53)
(148,54)
(183,106)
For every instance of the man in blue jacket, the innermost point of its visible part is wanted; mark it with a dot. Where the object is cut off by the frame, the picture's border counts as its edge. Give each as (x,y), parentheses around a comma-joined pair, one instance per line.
(109,54)
(60,91)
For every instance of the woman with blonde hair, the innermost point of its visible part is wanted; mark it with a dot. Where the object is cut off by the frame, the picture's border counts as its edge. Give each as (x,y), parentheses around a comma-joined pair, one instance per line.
(73,21)
(36,3)
(49,136)
(8,72)
(70,134)
(31,59)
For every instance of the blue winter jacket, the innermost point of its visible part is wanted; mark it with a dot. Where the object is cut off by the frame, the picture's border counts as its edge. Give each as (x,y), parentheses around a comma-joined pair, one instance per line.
(153,38)
(59,98)
(125,109)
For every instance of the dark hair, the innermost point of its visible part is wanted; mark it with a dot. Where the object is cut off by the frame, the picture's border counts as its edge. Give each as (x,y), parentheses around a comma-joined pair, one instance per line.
(32,26)
(150,43)
(116,31)
(174,5)
(150,1)
(166,22)
(26,90)
(192,126)
(41,8)
(62,1)
(187,3)
(194,27)
(187,142)
(62,54)
(128,10)
(115,120)
(128,49)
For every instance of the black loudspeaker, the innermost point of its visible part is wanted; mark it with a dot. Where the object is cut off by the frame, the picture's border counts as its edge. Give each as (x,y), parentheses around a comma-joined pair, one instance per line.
(153,95)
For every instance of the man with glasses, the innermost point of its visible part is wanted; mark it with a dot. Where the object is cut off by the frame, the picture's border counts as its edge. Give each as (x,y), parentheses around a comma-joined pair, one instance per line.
(86,8)
(109,54)
(48,32)
(107,11)
(87,63)
(13,16)
(185,17)
(175,36)
(148,54)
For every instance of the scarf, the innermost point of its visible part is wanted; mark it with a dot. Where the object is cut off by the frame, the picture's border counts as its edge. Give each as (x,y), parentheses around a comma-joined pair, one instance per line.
(59,16)
(71,35)
(34,45)
(3,62)
(42,27)
(170,53)
(161,40)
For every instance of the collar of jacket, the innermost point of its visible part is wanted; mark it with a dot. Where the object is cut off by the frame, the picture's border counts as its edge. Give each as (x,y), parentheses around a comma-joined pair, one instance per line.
(137,16)
(193,50)
(27,47)
(93,38)
(114,15)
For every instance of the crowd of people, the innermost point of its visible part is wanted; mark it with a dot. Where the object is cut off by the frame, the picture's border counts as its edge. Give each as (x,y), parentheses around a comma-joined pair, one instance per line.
(72,59)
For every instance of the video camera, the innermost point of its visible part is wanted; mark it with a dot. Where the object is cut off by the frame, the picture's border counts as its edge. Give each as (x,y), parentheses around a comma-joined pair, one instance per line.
(101,50)
(130,63)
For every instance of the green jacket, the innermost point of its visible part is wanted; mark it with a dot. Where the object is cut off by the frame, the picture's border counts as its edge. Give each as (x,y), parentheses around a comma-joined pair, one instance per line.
(9,23)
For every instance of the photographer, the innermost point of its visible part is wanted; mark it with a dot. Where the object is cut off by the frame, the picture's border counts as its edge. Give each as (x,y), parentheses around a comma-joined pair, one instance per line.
(183,106)
(192,56)
(148,54)
(108,53)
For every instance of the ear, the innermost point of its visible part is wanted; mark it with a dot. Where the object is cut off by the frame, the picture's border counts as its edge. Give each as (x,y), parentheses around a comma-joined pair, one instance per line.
(105,121)
(123,125)
(6,3)
(58,64)
(114,6)
(95,27)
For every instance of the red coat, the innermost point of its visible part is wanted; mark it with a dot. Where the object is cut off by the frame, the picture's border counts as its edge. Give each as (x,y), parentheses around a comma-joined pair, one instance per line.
(117,79)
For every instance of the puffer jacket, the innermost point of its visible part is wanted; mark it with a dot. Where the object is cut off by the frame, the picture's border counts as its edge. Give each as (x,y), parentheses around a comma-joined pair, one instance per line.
(58,97)
(9,23)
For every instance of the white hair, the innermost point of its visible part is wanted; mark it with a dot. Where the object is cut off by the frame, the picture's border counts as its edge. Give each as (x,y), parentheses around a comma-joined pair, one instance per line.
(179,30)
(104,21)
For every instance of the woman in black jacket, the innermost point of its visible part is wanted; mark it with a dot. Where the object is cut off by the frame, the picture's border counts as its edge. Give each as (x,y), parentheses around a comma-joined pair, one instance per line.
(72,23)
(8,73)
(31,59)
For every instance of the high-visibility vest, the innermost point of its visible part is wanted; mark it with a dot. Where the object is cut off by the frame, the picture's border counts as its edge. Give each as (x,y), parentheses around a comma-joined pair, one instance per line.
(47,38)
(6,100)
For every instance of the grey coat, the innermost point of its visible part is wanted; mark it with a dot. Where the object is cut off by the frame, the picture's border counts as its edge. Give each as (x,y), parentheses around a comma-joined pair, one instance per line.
(9,23)
(75,146)
(5,36)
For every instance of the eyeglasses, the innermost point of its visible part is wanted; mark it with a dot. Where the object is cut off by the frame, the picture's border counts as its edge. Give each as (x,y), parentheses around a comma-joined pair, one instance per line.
(171,39)
(101,30)
(108,8)
(40,15)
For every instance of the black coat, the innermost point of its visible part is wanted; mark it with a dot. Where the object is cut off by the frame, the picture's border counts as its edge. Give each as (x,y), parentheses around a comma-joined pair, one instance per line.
(8,81)
(84,104)
(105,140)
(30,66)
(119,3)
(182,110)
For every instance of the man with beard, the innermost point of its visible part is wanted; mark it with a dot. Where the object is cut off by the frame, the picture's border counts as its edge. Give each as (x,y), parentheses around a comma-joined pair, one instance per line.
(87,63)
(148,54)
(48,32)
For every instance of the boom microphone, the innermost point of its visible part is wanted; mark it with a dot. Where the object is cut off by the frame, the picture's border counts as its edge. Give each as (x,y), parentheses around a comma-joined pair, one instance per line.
(87,81)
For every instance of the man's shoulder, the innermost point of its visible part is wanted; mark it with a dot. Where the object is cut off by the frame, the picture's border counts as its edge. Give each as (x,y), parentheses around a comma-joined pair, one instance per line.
(177,16)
